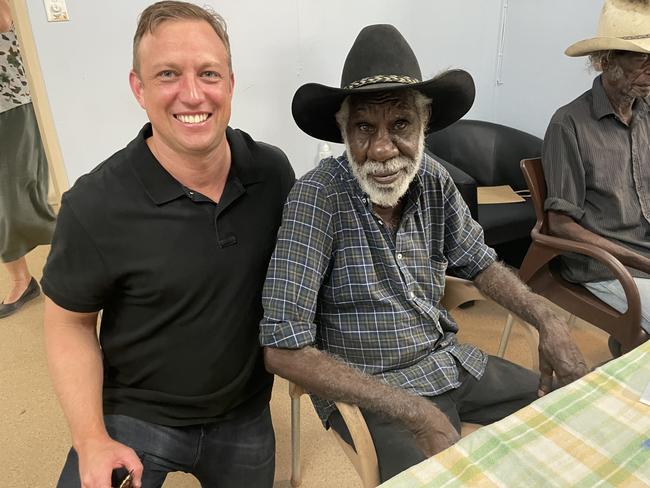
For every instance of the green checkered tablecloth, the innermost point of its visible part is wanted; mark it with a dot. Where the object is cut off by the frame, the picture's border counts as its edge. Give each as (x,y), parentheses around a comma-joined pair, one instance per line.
(592,433)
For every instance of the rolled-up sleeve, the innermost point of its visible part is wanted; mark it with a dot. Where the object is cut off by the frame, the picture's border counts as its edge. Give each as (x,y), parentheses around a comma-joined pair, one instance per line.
(297,268)
(564,172)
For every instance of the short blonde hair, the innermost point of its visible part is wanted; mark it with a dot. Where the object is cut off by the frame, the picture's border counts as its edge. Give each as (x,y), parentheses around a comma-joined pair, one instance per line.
(169,10)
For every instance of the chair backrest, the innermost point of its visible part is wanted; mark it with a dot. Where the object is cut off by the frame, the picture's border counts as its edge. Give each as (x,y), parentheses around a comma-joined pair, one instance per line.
(533,172)
(488,152)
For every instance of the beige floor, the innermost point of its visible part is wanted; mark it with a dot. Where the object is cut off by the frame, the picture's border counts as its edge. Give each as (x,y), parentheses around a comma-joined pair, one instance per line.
(34,439)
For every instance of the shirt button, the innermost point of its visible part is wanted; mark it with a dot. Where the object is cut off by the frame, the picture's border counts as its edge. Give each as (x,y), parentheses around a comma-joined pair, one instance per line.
(380,222)
(364,201)
(412,294)
(191,193)
(399,255)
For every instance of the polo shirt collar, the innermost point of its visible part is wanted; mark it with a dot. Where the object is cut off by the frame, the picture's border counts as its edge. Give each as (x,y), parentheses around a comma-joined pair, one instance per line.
(162,187)
(602,106)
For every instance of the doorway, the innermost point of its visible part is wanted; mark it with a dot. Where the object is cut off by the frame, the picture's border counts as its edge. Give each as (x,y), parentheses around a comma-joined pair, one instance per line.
(58,179)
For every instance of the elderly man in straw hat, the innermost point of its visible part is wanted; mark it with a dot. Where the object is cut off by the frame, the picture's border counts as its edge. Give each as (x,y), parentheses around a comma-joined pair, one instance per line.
(596,157)
(352,293)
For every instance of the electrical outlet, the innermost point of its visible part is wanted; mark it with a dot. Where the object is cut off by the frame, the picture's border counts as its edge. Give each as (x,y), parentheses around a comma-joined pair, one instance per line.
(56,10)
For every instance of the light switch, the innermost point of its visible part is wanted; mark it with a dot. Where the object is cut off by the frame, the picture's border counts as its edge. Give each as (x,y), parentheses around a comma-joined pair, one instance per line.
(56,10)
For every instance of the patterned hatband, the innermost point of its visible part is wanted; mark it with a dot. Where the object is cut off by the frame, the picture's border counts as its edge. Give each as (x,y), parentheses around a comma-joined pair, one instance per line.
(371,80)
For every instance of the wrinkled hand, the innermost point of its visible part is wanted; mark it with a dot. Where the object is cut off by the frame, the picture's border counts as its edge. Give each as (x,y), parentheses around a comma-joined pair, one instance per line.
(433,430)
(98,458)
(558,354)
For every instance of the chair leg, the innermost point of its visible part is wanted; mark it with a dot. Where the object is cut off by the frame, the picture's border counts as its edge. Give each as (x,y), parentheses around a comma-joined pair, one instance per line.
(505,335)
(571,321)
(296,476)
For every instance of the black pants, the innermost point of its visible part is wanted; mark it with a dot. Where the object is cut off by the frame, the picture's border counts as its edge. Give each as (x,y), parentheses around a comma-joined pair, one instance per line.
(503,389)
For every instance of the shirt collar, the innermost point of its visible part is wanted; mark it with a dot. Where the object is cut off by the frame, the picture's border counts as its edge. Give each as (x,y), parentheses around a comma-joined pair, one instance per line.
(600,102)
(602,106)
(162,187)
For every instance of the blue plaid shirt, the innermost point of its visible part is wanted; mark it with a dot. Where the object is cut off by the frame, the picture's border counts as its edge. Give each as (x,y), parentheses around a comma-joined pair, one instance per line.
(343,282)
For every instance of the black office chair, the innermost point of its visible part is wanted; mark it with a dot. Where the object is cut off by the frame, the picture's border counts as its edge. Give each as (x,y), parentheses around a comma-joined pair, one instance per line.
(490,154)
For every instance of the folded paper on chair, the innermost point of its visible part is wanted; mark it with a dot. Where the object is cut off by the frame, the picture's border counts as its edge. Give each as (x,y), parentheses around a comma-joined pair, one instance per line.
(497,194)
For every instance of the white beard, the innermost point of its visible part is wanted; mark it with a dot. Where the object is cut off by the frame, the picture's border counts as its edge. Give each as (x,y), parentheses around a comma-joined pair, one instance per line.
(386,195)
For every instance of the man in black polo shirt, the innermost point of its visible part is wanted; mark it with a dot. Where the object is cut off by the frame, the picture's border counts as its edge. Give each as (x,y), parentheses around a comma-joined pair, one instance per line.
(171,238)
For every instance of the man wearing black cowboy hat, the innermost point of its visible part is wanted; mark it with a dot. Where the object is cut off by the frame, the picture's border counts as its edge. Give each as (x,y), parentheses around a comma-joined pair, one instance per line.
(596,158)
(352,292)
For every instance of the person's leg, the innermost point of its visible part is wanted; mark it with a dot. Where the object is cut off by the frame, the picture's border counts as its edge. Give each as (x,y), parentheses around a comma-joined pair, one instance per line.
(394,443)
(20,278)
(611,292)
(237,453)
(503,389)
(161,449)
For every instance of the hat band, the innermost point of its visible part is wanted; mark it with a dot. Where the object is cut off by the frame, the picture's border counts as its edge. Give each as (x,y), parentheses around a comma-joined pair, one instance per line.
(371,80)
(631,38)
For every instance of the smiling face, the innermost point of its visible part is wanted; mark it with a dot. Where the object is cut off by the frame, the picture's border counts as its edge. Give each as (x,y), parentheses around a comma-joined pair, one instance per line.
(384,137)
(628,73)
(185,85)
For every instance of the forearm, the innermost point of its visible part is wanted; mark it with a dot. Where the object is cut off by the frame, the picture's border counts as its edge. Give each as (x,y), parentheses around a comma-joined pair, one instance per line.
(504,287)
(331,378)
(563,226)
(75,364)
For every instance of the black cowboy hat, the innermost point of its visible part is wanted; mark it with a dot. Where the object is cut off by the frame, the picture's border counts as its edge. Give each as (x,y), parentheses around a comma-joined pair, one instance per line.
(381,60)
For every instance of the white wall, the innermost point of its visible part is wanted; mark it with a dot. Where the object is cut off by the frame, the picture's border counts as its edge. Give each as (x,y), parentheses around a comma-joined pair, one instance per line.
(537,76)
(279,45)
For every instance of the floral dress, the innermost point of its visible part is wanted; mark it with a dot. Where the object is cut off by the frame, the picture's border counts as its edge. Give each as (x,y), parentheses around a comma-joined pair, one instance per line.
(13,82)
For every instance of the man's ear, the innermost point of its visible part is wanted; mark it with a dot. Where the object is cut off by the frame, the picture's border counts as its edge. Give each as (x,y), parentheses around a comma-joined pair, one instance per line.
(232,82)
(137,87)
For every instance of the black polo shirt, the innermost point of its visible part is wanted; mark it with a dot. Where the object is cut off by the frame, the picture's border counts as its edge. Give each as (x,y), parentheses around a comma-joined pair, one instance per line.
(178,278)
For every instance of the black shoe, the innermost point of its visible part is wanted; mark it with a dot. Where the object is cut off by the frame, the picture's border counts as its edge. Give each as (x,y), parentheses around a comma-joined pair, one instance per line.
(32,291)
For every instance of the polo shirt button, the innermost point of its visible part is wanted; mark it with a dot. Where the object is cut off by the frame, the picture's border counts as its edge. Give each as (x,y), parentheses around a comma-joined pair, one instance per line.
(399,255)
(412,295)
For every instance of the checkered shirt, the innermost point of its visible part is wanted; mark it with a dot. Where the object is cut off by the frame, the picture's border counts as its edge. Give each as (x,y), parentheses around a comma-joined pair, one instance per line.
(341,281)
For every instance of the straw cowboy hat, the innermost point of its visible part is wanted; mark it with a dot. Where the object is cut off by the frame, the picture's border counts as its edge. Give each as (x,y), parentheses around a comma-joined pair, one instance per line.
(624,25)
(381,60)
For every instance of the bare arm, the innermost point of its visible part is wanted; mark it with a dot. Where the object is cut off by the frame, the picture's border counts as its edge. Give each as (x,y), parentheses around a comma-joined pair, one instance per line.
(328,377)
(75,364)
(562,225)
(5,16)
(557,350)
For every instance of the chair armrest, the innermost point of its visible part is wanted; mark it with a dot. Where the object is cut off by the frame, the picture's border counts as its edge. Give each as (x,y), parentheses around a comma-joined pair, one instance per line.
(363,455)
(555,246)
(464,182)
(459,291)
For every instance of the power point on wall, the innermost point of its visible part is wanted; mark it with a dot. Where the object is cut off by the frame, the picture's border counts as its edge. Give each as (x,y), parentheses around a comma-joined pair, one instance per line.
(56,10)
